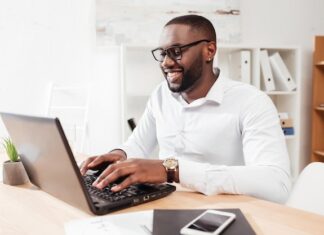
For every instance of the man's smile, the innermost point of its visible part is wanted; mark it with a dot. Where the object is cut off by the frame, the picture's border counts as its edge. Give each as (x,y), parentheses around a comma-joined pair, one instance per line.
(174,75)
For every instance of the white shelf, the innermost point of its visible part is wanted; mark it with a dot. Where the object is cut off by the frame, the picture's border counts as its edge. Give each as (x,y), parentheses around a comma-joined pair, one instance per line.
(320,63)
(281,92)
(319,153)
(289,137)
(69,107)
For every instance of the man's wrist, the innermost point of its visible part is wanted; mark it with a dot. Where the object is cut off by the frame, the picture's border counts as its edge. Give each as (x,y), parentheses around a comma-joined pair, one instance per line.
(176,174)
(171,169)
(176,178)
(119,152)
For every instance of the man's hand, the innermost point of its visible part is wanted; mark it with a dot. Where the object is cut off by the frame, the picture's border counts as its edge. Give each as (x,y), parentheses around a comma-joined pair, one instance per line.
(95,162)
(133,171)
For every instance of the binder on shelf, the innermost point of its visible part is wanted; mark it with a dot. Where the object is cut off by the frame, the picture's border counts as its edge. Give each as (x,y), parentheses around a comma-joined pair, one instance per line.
(288,130)
(282,76)
(283,115)
(286,123)
(266,72)
(240,68)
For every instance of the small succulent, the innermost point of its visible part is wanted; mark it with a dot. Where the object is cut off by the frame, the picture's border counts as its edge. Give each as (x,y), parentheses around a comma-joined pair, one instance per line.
(11,150)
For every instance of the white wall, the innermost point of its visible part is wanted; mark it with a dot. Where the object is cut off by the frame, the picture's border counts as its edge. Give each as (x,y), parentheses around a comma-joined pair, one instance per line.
(45,40)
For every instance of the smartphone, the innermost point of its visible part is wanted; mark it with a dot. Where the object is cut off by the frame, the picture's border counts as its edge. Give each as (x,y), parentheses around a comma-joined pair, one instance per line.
(209,222)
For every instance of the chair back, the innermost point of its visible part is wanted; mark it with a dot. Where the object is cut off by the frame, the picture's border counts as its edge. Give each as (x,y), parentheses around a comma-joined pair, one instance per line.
(308,191)
(70,103)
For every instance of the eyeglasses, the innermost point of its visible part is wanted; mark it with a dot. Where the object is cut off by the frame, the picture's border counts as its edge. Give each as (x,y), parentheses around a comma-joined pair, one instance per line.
(174,52)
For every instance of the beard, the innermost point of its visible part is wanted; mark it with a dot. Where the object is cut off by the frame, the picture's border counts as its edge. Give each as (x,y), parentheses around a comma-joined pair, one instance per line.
(190,76)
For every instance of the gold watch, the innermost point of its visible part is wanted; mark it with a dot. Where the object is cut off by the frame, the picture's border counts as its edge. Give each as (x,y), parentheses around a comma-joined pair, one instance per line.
(171,167)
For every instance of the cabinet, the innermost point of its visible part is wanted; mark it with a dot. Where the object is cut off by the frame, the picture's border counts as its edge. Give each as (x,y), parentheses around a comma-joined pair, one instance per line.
(141,74)
(318,101)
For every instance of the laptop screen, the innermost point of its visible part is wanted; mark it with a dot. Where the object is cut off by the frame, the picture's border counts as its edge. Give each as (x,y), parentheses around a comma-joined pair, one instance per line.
(47,157)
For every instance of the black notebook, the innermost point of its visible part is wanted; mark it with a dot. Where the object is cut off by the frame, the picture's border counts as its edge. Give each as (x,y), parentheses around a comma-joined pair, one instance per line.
(171,221)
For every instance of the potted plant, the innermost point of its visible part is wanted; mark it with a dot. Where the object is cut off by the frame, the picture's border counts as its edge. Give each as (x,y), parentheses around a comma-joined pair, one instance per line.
(14,172)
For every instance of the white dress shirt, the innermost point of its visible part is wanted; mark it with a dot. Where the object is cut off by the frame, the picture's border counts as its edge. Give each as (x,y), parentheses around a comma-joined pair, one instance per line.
(229,142)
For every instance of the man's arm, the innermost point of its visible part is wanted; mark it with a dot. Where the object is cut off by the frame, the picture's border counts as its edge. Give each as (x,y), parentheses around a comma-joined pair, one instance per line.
(124,164)
(143,140)
(266,173)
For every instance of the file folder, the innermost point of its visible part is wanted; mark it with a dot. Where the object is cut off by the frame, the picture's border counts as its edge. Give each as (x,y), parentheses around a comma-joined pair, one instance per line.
(268,82)
(288,130)
(240,66)
(286,123)
(283,115)
(283,78)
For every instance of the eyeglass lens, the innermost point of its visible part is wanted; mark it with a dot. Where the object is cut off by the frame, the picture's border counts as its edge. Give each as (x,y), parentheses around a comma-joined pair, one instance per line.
(174,52)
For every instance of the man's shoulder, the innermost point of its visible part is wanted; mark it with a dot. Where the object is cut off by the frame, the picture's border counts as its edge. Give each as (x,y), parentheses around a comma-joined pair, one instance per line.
(245,95)
(243,89)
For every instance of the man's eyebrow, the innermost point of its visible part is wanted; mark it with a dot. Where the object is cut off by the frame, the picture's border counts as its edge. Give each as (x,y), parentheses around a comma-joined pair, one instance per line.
(173,45)
(176,44)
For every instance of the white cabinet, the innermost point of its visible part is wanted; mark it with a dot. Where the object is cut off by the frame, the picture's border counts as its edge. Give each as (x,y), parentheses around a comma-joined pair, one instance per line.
(140,74)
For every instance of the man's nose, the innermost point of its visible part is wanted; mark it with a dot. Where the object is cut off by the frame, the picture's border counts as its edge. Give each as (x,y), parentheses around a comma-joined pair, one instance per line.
(167,61)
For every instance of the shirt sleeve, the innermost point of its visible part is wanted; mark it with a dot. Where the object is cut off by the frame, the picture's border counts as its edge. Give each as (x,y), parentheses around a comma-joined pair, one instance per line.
(266,173)
(142,141)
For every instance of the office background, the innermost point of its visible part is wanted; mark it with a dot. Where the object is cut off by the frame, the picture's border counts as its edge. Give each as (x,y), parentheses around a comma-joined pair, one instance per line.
(45,41)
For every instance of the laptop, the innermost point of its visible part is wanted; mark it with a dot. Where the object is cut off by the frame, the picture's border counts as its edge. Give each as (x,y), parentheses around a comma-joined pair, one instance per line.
(50,165)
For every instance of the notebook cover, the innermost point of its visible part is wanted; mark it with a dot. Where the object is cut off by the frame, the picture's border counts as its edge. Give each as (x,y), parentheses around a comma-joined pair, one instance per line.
(171,221)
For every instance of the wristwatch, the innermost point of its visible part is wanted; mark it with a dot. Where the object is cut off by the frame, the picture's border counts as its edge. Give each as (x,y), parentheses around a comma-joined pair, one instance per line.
(171,167)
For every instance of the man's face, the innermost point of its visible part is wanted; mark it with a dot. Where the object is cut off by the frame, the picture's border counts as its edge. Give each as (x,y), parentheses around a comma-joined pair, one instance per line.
(184,74)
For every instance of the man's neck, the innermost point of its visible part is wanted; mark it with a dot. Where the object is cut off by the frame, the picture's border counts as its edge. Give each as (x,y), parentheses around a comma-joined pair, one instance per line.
(200,90)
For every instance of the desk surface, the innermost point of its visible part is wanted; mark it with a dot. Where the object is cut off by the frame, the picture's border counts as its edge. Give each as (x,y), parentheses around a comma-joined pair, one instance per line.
(27,210)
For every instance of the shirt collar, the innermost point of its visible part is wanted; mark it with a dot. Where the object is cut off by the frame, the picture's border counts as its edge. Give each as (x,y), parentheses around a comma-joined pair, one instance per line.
(216,92)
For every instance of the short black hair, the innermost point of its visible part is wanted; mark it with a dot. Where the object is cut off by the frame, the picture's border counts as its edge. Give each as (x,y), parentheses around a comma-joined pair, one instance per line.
(198,23)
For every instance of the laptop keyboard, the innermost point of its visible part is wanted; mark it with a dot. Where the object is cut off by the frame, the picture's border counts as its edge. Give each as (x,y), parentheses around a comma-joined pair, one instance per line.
(109,195)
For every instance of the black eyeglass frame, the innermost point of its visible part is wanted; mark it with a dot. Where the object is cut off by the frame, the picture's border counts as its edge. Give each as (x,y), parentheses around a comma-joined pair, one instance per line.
(167,50)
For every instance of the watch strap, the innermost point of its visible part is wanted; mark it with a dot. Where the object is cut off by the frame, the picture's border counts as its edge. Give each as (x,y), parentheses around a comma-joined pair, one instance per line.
(171,175)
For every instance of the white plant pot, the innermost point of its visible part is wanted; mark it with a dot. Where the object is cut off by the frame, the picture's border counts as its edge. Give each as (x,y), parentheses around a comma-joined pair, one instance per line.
(14,173)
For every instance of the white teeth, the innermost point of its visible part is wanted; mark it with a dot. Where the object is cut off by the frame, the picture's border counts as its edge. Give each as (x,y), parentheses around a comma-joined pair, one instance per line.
(173,76)
(173,73)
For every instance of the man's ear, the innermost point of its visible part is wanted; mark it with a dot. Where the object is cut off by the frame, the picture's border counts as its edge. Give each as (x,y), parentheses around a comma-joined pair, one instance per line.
(210,51)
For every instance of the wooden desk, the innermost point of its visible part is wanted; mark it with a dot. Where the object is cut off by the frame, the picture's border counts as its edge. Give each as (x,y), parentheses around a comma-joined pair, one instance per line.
(28,210)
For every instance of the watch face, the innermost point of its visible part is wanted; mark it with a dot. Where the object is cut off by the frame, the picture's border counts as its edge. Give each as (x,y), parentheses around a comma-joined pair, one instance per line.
(170,163)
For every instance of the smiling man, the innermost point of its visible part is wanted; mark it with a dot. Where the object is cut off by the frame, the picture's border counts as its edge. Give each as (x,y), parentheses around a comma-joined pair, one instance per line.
(215,135)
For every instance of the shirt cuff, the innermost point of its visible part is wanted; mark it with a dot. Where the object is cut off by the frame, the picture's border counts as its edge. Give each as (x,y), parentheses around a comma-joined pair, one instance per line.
(192,175)
(130,153)
(120,149)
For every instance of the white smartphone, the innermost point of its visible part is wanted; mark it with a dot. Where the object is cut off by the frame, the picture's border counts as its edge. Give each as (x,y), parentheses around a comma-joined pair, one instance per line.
(209,222)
